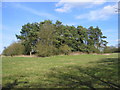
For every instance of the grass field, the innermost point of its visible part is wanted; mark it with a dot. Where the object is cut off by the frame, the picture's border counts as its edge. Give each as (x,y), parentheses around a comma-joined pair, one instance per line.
(73,71)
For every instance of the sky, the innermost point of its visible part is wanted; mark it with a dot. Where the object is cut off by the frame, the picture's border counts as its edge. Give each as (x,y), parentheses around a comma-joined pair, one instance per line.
(102,14)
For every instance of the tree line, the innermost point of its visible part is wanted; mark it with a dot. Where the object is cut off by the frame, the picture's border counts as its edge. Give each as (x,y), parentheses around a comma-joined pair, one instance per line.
(47,38)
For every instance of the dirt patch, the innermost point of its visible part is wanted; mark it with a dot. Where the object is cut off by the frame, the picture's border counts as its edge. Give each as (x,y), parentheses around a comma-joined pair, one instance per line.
(81,53)
(76,53)
(24,56)
(73,53)
(106,54)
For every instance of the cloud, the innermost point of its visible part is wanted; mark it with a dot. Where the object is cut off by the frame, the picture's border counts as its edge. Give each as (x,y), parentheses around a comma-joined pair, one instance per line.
(118,40)
(100,14)
(65,8)
(68,5)
(35,12)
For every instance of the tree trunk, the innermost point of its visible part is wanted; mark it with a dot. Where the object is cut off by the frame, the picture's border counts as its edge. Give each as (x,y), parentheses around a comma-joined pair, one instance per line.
(30,53)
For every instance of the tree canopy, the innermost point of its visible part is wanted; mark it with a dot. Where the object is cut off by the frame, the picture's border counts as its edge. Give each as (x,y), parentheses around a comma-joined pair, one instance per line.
(49,37)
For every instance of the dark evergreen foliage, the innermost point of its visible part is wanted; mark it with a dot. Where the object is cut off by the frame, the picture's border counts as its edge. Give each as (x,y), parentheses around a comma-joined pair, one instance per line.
(47,37)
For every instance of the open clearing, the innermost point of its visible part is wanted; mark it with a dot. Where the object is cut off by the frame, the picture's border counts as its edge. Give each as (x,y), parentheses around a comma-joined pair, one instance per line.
(73,71)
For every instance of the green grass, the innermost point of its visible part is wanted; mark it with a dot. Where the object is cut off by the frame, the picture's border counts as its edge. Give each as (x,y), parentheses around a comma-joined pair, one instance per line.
(78,71)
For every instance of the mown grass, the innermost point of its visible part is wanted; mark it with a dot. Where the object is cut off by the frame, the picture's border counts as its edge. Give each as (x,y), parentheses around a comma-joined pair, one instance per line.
(78,71)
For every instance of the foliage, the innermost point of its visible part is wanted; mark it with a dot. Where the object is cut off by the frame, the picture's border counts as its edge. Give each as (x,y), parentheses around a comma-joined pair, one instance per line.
(111,49)
(45,50)
(14,49)
(65,49)
(56,34)
(29,36)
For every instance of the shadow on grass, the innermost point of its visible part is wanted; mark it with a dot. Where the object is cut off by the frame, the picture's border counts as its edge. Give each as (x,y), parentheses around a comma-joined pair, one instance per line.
(14,84)
(103,75)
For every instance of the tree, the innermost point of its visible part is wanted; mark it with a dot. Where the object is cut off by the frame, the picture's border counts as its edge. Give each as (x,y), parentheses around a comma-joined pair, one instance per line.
(29,36)
(46,37)
(46,34)
(82,38)
(96,38)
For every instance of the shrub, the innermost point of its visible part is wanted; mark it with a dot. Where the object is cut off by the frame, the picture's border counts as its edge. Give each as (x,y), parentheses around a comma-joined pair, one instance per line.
(110,49)
(92,49)
(14,49)
(64,49)
(95,50)
(46,50)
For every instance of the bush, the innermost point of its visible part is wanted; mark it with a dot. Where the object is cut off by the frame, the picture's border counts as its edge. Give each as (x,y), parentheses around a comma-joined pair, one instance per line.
(14,49)
(95,50)
(91,49)
(110,49)
(49,50)
(64,49)
(46,50)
